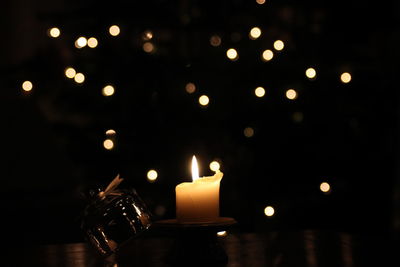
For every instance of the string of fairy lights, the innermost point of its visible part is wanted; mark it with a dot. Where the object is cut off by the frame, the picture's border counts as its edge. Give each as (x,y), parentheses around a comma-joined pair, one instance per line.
(204,100)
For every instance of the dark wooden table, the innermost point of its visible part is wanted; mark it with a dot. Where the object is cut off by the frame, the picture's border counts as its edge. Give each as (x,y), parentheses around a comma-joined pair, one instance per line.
(275,249)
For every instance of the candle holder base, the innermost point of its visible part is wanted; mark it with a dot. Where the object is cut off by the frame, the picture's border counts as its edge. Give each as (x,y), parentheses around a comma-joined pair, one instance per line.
(196,244)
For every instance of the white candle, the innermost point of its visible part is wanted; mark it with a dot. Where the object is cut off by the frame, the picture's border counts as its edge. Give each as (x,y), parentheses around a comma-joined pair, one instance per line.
(198,201)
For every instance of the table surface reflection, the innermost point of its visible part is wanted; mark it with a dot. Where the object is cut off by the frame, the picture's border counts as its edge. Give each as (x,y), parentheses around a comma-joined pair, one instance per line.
(277,249)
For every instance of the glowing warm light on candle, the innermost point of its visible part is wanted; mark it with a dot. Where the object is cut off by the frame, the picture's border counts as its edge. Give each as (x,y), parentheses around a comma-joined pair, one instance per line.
(81,42)
(54,32)
(232,54)
(267,55)
(311,73)
(248,132)
(204,100)
(325,187)
(92,42)
(214,166)
(198,201)
(195,169)
(215,40)
(70,72)
(27,86)
(79,78)
(108,144)
(148,47)
(291,94)
(269,211)
(110,132)
(152,175)
(190,88)
(108,90)
(147,35)
(260,2)
(114,30)
(345,77)
(279,45)
(259,91)
(255,33)
(222,233)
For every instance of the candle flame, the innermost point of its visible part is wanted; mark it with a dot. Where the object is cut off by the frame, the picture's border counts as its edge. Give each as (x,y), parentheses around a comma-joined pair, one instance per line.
(195,169)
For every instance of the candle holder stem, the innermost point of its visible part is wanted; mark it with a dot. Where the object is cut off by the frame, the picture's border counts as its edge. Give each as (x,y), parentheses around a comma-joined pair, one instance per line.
(196,244)
(199,246)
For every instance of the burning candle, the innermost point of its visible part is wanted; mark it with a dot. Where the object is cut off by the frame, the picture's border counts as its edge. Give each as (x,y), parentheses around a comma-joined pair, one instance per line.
(198,201)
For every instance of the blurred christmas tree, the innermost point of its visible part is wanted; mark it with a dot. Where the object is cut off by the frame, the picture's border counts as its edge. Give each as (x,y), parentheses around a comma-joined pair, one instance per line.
(277,131)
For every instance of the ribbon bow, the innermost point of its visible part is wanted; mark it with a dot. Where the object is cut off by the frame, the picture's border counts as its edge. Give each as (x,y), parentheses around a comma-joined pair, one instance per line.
(111,187)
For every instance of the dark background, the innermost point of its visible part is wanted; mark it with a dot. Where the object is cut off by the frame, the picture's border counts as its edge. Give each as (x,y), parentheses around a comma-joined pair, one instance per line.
(51,137)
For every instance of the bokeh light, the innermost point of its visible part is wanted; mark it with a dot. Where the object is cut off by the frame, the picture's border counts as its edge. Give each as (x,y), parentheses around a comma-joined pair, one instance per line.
(70,72)
(291,94)
(147,35)
(114,30)
(152,175)
(79,77)
(204,100)
(325,187)
(27,86)
(259,91)
(267,55)
(248,132)
(92,42)
(190,88)
(111,132)
(222,233)
(108,90)
(215,166)
(345,77)
(108,144)
(279,45)
(269,211)
(232,54)
(54,32)
(255,33)
(260,2)
(215,40)
(311,73)
(148,47)
(81,42)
